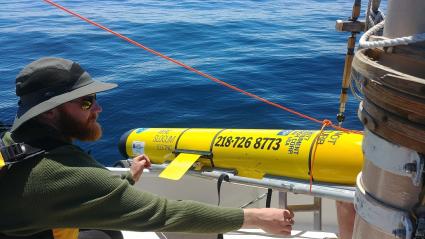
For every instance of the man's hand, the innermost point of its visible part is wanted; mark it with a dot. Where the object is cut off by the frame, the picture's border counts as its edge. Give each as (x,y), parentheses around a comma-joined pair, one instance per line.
(138,164)
(271,220)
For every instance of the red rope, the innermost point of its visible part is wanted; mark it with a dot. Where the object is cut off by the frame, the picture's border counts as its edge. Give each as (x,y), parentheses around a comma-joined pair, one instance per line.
(197,71)
(316,143)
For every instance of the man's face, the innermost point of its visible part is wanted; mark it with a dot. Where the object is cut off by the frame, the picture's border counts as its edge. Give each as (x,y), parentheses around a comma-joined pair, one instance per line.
(77,119)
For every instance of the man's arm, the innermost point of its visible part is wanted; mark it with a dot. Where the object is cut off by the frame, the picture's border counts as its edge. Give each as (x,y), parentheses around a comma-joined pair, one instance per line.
(271,220)
(100,201)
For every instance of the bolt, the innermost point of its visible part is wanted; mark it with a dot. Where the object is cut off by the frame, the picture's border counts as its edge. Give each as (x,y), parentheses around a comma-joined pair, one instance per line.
(410,167)
(399,232)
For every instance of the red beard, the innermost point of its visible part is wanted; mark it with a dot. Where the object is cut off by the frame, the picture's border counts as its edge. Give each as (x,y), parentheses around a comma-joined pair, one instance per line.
(72,128)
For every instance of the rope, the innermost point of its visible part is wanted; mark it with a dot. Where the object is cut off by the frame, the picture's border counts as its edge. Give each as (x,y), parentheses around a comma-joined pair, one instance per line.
(316,143)
(373,15)
(388,42)
(367,15)
(197,71)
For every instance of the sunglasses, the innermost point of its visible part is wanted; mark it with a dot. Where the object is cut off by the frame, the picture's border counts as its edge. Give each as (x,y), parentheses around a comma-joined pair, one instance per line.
(87,101)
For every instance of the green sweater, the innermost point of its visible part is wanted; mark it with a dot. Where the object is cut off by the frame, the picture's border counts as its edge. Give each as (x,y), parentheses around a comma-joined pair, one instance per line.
(67,188)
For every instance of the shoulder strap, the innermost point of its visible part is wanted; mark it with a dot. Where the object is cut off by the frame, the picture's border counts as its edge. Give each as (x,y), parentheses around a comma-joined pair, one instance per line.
(14,153)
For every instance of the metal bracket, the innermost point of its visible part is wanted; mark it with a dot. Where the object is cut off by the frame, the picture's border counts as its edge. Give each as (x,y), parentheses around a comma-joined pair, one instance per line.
(204,154)
(393,158)
(397,222)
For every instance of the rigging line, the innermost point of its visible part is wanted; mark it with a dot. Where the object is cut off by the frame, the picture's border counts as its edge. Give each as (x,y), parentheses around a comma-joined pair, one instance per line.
(193,69)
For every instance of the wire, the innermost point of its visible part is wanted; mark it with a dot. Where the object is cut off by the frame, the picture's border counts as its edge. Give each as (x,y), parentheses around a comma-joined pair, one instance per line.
(199,72)
(254,201)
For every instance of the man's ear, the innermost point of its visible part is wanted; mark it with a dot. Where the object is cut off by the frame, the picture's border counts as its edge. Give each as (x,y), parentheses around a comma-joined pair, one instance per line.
(49,116)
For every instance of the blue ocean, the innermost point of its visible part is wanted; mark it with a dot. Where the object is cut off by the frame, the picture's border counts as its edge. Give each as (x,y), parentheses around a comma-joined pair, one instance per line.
(285,51)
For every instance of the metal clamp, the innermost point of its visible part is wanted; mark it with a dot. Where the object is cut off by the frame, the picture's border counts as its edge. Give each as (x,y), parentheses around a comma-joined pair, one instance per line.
(397,222)
(393,158)
(416,170)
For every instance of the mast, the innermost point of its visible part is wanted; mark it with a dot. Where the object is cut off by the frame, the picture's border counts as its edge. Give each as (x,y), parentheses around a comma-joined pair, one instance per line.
(390,195)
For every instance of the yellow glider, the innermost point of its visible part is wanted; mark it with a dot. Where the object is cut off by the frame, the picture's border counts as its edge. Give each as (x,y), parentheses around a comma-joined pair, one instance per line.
(252,153)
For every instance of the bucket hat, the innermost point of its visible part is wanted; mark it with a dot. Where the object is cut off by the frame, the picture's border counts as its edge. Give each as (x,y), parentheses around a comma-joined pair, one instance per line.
(49,82)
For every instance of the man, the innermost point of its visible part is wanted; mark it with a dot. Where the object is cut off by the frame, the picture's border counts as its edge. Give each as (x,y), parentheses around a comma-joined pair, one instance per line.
(67,188)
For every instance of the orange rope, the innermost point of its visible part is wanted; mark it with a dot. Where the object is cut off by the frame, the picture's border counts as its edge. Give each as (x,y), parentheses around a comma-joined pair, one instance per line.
(199,72)
(316,143)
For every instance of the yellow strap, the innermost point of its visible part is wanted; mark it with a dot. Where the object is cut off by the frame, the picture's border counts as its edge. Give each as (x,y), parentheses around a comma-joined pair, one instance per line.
(65,233)
(179,166)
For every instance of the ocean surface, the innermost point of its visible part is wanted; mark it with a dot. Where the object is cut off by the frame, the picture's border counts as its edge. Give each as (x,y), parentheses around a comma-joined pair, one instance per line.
(286,51)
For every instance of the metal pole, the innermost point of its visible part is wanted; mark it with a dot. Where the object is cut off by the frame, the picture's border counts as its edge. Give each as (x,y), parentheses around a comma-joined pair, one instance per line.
(330,191)
(283,199)
(318,214)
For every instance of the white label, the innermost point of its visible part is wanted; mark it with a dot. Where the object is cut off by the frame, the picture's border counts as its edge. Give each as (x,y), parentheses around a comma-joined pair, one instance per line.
(138,148)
